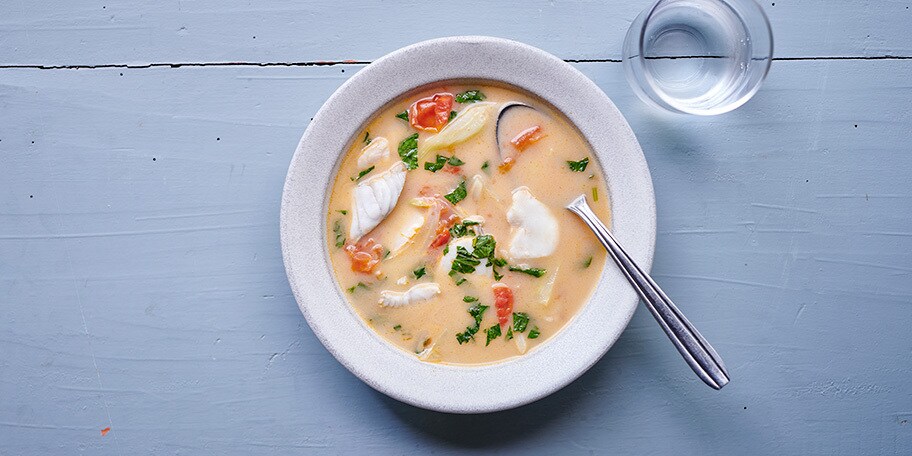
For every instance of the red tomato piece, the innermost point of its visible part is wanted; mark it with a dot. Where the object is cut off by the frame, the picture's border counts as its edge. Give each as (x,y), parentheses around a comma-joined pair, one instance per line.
(527,137)
(503,302)
(365,255)
(431,113)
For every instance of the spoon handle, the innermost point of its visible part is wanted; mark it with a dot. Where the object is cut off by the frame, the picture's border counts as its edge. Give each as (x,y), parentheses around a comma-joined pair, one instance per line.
(701,357)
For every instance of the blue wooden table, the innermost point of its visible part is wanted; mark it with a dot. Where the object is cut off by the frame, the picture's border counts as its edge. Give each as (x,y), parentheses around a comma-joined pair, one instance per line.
(143,148)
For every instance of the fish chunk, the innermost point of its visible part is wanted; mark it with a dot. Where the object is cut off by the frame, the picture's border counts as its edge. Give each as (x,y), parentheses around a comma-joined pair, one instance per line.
(418,293)
(373,153)
(374,199)
(446,262)
(536,230)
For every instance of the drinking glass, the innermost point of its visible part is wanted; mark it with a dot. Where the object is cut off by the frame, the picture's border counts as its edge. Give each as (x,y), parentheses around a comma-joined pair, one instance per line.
(701,57)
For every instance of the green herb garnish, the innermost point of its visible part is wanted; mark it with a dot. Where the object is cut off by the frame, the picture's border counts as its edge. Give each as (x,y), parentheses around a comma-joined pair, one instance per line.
(342,211)
(362,174)
(520,321)
(469,299)
(470,96)
(477,312)
(420,272)
(534,272)
(464,262)
(499,262)
(458,194)
(408,151)
(588,262)
(460,281)
(367,137)
(455,161)
(533,334)
(452,115)
(595,194)
(484,246)
(461,229)
(435,165)
(509,333)
(340,235)
(397,327)
(403,115)
(493,333)
(578,166)
(352,288)
(485,166)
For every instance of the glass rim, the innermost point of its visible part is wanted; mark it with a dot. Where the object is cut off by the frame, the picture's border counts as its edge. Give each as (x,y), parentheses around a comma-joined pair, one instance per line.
(641,38)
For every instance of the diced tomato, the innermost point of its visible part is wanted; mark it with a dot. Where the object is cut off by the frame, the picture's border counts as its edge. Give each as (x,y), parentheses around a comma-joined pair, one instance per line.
(452,169)
(365,255)
(527,137)
(441,238)
(431,113)
(503,302)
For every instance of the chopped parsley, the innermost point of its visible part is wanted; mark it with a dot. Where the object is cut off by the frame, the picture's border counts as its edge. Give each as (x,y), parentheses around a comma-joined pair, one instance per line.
(464,262)
(452,115)
(455,161)
(588,262)
(499,262)
(485,166)
(436,165)
(520,321)
(533,333)
(470,96)
(362,174)
(408,151)
(493,333)
(578,166)
(534,272)
(461,229)
(469,299)
(477,312)
(403,115)
(420,272)
(352,288)
(458,194)
(509,333)
(340,235)
(460,281)
(484,246)
(397,327)
(367,137)
(342,211)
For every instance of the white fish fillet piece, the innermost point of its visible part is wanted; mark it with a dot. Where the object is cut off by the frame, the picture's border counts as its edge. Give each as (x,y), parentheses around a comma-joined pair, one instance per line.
(373,153)
(374,199)
(418,293)
(536,230)
(446,262)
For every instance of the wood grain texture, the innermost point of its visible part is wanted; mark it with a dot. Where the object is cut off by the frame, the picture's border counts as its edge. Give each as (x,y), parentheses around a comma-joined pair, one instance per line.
(142,287)
(63,32)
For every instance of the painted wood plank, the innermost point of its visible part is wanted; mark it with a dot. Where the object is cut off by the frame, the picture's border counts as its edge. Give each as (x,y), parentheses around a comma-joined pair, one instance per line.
(142,288)
(66,32)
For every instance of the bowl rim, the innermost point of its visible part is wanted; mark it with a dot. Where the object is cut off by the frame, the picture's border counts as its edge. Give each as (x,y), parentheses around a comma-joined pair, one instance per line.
(303,217)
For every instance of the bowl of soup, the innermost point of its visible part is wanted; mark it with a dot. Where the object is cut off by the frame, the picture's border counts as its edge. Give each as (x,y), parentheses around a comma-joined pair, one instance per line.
(424,229)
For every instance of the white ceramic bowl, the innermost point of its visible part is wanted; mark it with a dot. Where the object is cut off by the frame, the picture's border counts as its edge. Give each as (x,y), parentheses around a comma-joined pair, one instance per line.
(457,389)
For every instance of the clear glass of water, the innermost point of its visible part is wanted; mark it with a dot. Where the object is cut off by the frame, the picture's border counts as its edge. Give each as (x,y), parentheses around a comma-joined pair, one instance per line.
(701,57)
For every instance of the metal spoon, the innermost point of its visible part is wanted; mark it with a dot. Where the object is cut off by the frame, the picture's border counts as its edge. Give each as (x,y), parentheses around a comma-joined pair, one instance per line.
(701,357)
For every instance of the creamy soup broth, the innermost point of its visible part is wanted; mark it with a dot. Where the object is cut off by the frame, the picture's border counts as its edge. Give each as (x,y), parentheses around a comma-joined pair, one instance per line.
(556,260)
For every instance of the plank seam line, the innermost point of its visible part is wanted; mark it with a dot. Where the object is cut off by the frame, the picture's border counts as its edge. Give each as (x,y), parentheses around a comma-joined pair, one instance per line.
(318,63)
